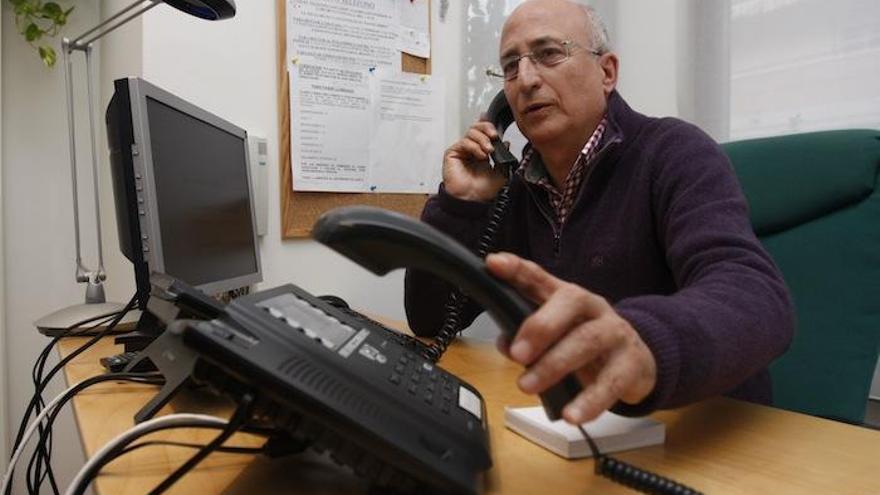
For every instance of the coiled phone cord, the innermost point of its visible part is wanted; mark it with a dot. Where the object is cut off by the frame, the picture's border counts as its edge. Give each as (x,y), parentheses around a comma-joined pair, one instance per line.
(630,476)
(457,300)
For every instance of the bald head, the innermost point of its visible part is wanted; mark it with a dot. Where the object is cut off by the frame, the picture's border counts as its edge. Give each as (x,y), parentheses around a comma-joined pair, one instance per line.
(583,19)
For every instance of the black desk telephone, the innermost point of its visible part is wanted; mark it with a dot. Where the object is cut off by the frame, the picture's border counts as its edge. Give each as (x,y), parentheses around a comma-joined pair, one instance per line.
(338,383)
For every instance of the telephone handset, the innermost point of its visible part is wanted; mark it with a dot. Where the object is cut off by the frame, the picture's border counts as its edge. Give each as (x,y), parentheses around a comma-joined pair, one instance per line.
(381,241)
(500,114)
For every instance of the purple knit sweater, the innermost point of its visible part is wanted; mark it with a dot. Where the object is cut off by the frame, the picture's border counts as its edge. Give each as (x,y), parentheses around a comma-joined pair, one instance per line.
(660,229)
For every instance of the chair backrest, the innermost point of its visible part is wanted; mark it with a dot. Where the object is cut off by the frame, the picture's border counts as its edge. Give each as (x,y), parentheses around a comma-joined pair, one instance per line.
(815,205)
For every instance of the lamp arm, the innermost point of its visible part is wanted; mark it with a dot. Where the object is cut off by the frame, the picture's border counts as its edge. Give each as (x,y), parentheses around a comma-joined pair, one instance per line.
(80,44)
(101,275)
(81,271)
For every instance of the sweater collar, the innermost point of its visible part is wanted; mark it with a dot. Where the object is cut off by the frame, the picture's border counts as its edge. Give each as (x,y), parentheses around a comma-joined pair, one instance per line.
(617,116)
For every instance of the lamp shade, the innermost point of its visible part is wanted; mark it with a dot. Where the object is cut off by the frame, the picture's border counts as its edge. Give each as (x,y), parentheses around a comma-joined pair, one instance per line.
(212,10)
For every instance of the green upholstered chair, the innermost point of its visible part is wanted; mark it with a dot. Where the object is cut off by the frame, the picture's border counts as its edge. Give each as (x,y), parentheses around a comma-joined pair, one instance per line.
(815,205)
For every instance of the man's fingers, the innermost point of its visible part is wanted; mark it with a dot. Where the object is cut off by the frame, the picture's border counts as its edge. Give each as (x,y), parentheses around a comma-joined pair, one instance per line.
(582,347)
(618,378)
(565,310)
(527,277)
(480,137)
(473,149)
(486,128)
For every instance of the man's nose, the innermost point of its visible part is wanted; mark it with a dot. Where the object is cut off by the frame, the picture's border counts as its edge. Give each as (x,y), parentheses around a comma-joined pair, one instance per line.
(528,76)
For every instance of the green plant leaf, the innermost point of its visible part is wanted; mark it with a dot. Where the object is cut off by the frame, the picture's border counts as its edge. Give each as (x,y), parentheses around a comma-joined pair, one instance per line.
(38,20)
(47,54)
(52,9)
(32,32)
(61,19)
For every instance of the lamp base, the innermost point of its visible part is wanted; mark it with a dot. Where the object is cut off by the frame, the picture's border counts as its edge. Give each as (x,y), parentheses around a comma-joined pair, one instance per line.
(57,323)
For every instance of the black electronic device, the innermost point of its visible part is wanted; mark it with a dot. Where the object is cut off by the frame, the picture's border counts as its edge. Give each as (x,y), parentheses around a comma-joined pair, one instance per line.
(381,241)
(501,116)
(182,187)
(340,386)
(403,339)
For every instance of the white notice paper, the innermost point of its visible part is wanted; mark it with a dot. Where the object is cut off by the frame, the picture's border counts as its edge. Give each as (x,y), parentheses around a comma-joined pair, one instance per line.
(329,127)
(415,37)
(345,33)
(407,135)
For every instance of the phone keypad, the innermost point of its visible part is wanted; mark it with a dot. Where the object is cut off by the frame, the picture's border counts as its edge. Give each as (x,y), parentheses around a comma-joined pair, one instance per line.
(423,380)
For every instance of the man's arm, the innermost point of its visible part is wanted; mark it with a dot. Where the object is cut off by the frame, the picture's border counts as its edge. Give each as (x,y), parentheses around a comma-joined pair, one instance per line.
(730,317)
(732,314)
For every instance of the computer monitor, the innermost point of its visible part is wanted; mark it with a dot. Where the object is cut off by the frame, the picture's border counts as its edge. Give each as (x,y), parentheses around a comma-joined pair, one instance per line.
(183,192)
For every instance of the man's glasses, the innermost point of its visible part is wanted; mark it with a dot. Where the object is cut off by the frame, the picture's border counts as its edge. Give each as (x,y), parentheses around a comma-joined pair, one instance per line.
(548,54)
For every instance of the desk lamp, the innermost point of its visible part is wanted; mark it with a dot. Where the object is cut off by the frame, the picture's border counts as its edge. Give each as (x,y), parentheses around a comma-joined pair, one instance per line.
(95,302)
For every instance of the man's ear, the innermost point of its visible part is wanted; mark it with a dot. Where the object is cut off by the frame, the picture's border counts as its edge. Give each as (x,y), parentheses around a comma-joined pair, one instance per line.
(609,64)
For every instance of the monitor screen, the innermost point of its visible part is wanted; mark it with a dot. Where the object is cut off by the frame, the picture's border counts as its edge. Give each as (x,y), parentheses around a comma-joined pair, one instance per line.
(183,190)
(202,197)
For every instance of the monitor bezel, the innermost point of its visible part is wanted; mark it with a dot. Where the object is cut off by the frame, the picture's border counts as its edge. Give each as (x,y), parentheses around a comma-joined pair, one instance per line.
(145,184)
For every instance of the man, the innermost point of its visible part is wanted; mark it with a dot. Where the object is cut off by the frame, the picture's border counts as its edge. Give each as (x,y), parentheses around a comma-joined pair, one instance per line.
(629,232)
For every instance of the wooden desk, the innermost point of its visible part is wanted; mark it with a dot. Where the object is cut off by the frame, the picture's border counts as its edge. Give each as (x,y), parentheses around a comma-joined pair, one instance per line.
(719,446)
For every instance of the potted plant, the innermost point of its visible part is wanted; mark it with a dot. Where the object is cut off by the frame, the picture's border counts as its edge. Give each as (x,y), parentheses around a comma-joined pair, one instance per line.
(37,21)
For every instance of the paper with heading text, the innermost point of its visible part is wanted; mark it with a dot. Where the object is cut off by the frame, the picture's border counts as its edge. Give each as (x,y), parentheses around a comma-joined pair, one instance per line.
(345,33)
(329,118)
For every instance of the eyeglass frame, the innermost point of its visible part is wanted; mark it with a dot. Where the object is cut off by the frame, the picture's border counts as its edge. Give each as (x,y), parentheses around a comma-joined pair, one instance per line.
(567,44)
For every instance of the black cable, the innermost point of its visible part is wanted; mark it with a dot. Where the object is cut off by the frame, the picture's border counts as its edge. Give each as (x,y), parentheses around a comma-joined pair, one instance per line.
(60,365)
(452,324)
(170,443)
(37,397)
(150,378)
(92,473)
(242,412)
(112,456)
(35,476)
(145,378)
(626,474)
(44,452)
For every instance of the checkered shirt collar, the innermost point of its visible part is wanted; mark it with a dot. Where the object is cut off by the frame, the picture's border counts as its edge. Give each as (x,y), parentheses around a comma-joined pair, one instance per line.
(532,170)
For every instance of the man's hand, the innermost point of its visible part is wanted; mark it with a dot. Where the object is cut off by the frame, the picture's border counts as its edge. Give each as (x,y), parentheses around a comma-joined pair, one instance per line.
(466,171)
(574,332)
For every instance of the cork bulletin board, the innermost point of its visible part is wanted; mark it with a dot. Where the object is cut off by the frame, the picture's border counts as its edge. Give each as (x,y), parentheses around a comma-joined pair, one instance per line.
(299,210)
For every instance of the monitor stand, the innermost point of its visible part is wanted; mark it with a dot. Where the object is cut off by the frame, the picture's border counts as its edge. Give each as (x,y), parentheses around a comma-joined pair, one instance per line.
(148,329)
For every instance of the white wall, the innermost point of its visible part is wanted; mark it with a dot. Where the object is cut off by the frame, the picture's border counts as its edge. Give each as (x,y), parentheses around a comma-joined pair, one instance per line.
(643,35)
(38,242)
(4,379)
